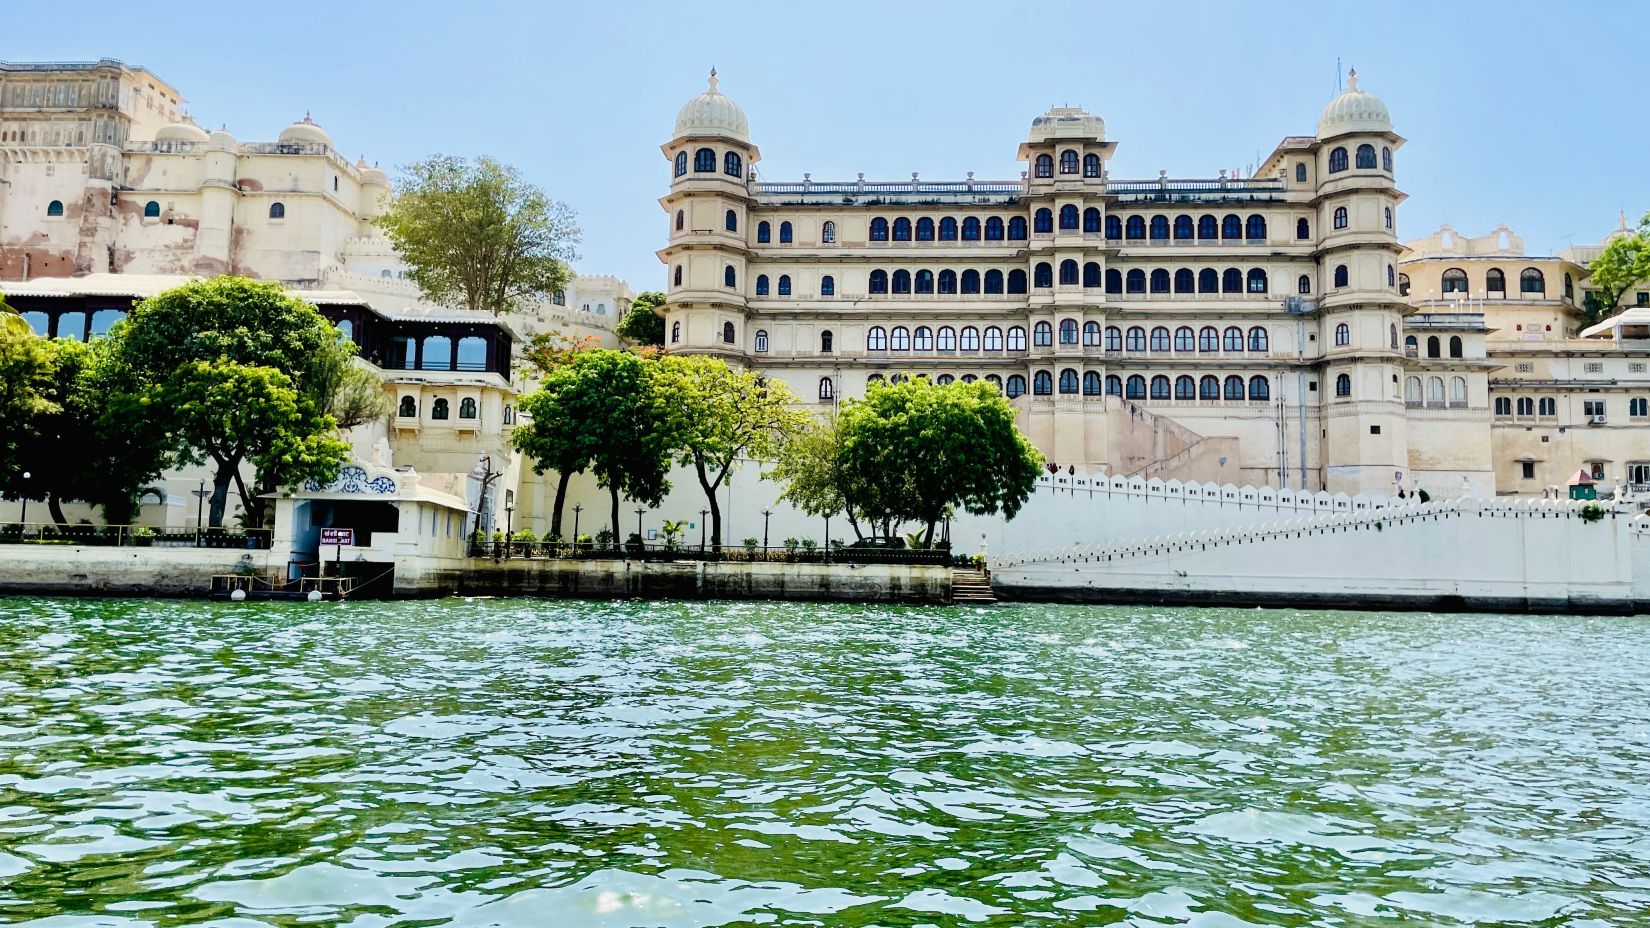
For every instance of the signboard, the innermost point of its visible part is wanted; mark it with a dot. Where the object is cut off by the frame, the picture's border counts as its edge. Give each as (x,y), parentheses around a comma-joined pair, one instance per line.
(338,536)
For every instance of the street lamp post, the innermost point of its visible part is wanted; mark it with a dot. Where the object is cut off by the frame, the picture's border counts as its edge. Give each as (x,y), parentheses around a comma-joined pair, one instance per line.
(25,519)
(702,514)
(827,550)
(200,509)
(509,526)
(577,508)
(765,514)
(639,511)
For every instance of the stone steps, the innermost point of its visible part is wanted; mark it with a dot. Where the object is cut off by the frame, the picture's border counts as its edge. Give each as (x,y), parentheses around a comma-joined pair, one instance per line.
(971,588)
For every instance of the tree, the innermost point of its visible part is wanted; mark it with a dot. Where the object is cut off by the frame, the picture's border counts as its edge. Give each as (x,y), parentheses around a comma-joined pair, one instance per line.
(918,450)
(599,412)
(1624,262)
(28,372)
(547,351)
(186,352)
(720,415)
(475,235)
(641,325)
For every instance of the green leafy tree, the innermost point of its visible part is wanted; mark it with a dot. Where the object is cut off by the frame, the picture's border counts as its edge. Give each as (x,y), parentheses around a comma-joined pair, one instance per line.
(475,235)
(182,354)
(641,325)
(1624,263)
(720,415)
(28,374)
(920,450)
(598,412)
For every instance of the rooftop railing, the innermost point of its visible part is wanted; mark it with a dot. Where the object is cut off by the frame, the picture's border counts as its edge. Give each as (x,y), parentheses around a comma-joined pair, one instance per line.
(971,187)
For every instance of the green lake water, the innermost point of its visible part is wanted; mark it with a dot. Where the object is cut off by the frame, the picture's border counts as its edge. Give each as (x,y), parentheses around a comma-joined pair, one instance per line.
(532,762)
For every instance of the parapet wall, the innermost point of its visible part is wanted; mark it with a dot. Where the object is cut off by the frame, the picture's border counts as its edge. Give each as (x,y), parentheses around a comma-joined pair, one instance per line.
(603,579)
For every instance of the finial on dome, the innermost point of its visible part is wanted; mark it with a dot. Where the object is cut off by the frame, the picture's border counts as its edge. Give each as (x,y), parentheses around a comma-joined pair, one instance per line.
(1622,227)
(1352,80)
(307,120)
(713,80)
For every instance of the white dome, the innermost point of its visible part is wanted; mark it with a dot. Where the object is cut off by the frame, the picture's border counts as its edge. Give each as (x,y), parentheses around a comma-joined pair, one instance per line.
(1067,122)
(181,132)
(372,175)
(1353,111)
(304,133)
(221,138)
(712,113)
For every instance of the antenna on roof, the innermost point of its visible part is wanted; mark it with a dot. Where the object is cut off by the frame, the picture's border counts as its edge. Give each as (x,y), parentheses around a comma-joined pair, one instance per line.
(1337,74)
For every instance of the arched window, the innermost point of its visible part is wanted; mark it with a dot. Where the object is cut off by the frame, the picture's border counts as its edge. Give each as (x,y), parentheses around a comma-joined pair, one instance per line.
(1091,334)
(1068,331)
(1343,385)
(971,229)
(994,228)
(1388,213)
(1526,406)
(1114,338)
(1091,220)
(1255,227)
(1257,280)
(1042,334)
(1391,276)
(879,281)
(902,229)
(151,210)
(437,354)
(993,281)
(1531,280)
(785,233)
(1386,159)
(1043,276)
(899,339)
(1340,275)
(1185,388)
(1068,162)
(1185,281)
(948,281)
(925,229)
(1303,284)
(1160,227)
(825,341)
(1208,281)
(1091,275)
(1134,228)
(1549,406)
(677,278)
(784,285)
(1259,388)
(873,378)
(276,211)
(1231,281)
(1337,161)
(408,408)
(1044,166)
(1435,391)
(1458,391)
(1185,339)
(732,165)
(729,278)
(827,232)
(1068,217)
(1135,388)
(761,340)
(902,281)
(1569,287)
(675,332)
(1366,157)
(704,160)
(1068,381)
(1503,404)
(1114,280)
(827,286)
(1016,338)
(1455,280)
(681,163)
(1160,387)
(472,354)
(1183,228)
(1160,280)
(945,380)
(1043,221)
(681,220)
(925,281)
(879,229)
(1135,281)
(727,333)
(439,409)
(876,339)
(1068,273)
(1234,339)
(1343,335)
(467,408)
(1303,229)
(1160,338)
(1300,172)
(1017,280)
(1016,229)
(1042,383)
(993,338)
(1114,227)
(1495,281)
(1412,392)
(1016,386)
(1091,165)
(948,229)
(1258,340)
(1403,285)
(827,389)
(922,339)
(946,339)
(1340,217)
(1393,330)
(1208,387)
(1231,226)
(1091,383)
(1137,338)
(1208,227)
(731,222)
(1114,385)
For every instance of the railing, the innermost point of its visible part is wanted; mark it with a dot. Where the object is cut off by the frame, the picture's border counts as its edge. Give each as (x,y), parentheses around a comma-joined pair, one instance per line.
(1209,185)
(1445,320)
(286,148)
(138,536)
(799,554)
(834,188)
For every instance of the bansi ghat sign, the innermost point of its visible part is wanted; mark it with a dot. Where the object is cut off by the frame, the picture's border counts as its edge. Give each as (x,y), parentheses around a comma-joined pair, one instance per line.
(338,536)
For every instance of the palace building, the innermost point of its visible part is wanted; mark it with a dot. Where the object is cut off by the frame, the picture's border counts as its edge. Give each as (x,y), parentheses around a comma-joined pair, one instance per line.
(1243,330)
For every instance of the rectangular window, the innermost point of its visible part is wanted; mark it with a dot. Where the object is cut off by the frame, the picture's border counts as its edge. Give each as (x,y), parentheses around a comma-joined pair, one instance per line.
(1529,469)
(1592,408)
(1596,468)
(1644,298)
(1374,430)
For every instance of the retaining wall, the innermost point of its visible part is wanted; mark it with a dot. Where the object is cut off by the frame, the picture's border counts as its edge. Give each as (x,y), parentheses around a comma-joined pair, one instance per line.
(894,583)
(93,570)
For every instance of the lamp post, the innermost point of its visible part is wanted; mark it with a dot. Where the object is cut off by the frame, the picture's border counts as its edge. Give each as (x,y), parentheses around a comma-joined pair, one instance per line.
(200,509)
(639,511)
(702,514)
(25,519)
(765,514)
(577,508)
(827,551)
(509,525)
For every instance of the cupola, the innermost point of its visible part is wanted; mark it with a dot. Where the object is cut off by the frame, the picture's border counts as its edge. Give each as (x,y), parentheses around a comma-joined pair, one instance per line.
(1354,111)
(712,113)
(305,132)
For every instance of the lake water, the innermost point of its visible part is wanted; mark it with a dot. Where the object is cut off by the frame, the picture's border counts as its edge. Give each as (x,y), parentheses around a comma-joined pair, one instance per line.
(522,762)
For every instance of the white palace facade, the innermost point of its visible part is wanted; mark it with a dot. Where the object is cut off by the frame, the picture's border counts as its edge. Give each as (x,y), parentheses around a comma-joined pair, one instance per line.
(1254,330)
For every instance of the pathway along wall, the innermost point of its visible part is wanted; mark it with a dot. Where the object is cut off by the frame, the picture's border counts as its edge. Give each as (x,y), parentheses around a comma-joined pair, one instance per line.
(1498,555)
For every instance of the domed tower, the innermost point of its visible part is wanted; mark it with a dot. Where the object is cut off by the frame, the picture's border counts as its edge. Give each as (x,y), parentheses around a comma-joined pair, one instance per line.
(707,211)
(375,195)
(1360,313)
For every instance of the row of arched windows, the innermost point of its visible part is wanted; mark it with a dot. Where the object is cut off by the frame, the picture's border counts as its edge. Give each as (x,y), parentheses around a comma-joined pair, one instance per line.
(1435,347)
(1183,340)
(947,229)
(440,409)
(1435,394)
(764,232)
(1043,166)
(827,285)
(1137,280)
(1526,406)
(1364,159)
(727,333)
(1184,388)
(1069,218)
(1113,338)
(1182,227)
(948,281)
(704,162)
(945,338)
(1530,280)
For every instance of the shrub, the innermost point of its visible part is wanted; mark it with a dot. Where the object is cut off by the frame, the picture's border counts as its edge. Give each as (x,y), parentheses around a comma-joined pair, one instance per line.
(1592,512)
(524,536)
(751,544)
(1424,495)
(808,545)
(791,544)
(605,538)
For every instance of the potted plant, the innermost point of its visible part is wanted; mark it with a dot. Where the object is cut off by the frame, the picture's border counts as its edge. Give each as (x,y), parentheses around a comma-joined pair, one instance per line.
(143,536)
(791,544)
(673,532)
(605,538)
(808,546)
(750,548)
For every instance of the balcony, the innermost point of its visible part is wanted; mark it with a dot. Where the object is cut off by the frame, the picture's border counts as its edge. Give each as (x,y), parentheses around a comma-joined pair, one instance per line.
(1473,321)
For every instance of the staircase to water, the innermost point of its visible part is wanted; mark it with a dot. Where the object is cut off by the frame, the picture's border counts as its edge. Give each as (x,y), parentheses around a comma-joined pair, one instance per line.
(971,588)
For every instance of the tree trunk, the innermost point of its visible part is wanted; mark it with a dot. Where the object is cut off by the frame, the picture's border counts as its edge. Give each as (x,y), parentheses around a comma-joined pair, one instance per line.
(715,510)
(561,500)
(854,524)
(928,535)
(55,505)
(220,494)
(613,491)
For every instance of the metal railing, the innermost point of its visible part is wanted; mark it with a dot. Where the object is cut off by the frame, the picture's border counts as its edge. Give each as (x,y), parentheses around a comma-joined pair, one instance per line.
(138,536)
(787,554)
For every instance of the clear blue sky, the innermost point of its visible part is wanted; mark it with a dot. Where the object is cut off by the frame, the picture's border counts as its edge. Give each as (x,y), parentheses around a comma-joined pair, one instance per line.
(1519,112)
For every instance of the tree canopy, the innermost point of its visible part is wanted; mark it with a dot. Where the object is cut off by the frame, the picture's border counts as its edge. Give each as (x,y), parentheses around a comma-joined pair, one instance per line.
(1624,263)
(641,325)
(475,235)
